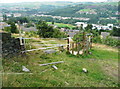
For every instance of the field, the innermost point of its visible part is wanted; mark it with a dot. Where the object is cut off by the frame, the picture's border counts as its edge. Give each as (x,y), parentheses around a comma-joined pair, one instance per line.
(102,66)
(62,25)
(86,10)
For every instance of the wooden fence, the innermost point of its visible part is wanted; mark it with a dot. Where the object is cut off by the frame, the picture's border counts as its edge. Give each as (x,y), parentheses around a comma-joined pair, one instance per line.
(81,47)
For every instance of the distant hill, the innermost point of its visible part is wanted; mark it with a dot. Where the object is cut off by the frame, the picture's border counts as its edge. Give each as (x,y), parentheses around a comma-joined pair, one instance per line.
(113,0)
(99,12)
(39,6)
(88,10)
(36,4)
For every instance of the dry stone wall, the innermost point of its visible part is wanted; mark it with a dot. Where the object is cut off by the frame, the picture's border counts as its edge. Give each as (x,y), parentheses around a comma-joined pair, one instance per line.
(10,45)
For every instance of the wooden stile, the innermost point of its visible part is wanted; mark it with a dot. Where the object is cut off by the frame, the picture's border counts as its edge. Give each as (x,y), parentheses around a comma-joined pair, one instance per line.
(72,48)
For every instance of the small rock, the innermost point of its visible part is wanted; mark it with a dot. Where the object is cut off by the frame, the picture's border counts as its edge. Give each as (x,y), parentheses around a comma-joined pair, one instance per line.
(54,67)
(90,53)
(85,70)
(66,83)
(50,51)
(25,69)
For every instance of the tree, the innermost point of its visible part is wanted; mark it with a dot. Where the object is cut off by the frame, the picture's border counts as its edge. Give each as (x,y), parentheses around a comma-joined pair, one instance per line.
(13,27)
(29,25)
(46,31)
(23,20)
(81,27)
(89,27)
(4,17)
(53,22)
(115,32)
(8,29)
(12,15)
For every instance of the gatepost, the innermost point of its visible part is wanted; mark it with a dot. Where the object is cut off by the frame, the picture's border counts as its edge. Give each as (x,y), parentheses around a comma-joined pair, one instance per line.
(1,67)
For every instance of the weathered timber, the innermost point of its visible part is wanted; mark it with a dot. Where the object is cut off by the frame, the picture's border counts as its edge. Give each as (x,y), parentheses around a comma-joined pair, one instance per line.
(51,63)
(72,48)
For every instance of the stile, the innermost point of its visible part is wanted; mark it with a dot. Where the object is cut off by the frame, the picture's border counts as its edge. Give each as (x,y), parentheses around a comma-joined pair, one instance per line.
(72,48)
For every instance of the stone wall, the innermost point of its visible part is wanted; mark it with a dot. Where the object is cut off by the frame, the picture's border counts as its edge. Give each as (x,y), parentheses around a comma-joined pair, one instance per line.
(10,45)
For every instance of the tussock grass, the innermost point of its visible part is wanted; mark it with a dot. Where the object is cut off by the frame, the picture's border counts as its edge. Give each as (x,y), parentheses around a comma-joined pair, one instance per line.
(69,73)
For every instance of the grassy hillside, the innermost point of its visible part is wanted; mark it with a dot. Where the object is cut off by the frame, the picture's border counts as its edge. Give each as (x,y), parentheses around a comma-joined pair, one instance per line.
(35,4)
(62,25)
(105,8)
(102,66)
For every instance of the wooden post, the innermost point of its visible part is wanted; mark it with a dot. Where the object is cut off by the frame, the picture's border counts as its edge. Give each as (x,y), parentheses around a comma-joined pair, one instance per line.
(91,42)
(19,28)
(87,47)
(78,48)
(83,42)
(24,43)
(72,48)
(68,42)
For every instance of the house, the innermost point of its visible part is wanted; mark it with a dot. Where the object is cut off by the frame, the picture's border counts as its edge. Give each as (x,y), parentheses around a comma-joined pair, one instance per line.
(99,27)
(71,34)
(62,29)
(28,29)
(17,15)
(3,25)
(81,23)
(115,37)
(104,34)
(110,25)
(54,26)
(96,26)
(106,28)
(1,18)
(76,31)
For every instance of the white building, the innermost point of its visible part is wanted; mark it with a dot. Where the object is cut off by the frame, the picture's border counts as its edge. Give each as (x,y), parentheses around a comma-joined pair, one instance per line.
(81,23)
(17,15)
(99,27)
(96,26)
(1,18)
(3,24)
(110,25)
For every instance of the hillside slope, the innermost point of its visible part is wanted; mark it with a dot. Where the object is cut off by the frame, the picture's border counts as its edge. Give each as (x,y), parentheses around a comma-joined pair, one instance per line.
(88,10)
(102,66)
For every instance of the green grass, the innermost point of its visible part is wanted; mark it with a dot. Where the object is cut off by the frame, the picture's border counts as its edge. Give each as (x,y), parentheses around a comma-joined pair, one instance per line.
(102,54)
(108,3)
(62,25)
(86,10)
(69,73)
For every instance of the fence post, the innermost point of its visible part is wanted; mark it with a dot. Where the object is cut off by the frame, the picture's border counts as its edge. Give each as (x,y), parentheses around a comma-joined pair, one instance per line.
(68,43)
(19,28)
(83,42)
(87,47)
(78,48)
(91,42)
(72,48)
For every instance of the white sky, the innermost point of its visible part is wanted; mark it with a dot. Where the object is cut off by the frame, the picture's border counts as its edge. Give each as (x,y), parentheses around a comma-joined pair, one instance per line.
(13,1)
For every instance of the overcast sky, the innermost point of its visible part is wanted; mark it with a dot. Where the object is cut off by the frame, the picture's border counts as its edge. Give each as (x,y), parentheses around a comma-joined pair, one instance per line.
(13,1)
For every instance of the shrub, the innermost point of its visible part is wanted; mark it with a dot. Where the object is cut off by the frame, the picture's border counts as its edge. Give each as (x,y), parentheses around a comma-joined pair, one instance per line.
(31,34)
(111,42)
(46,31)
(29,25)
(96,39)
(107,41)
